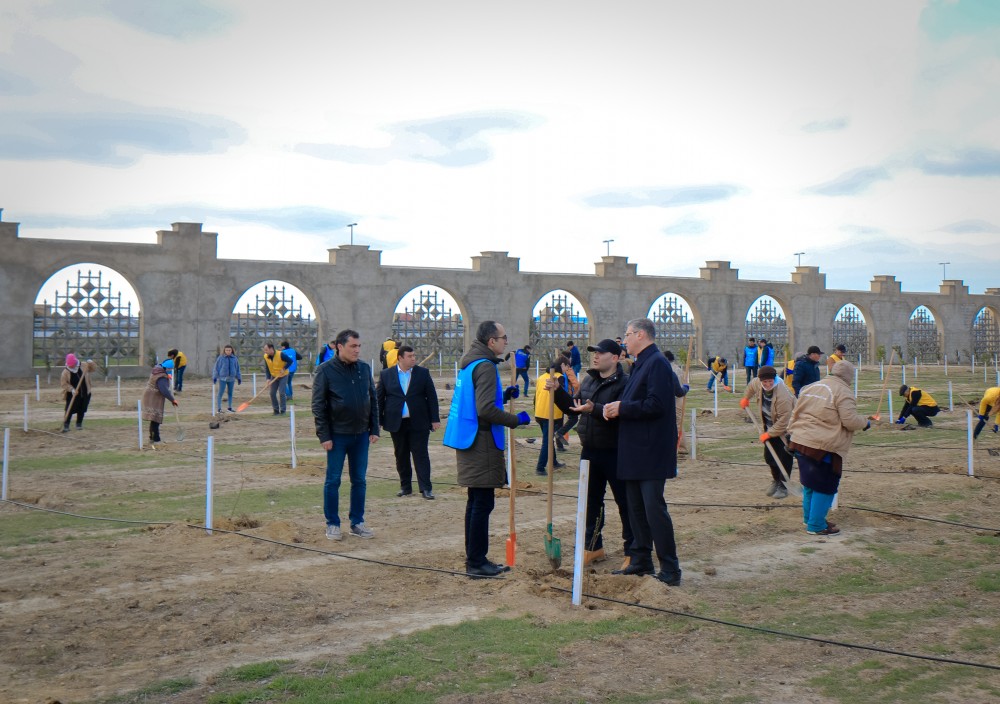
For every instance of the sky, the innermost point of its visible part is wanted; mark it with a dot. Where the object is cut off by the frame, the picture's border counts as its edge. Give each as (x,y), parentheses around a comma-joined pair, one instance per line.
(865,135)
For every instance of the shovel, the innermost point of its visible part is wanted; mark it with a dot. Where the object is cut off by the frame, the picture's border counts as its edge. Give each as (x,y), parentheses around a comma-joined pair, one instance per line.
(794,488)
(180,428)
(246,404)
(512,538)
(553,546)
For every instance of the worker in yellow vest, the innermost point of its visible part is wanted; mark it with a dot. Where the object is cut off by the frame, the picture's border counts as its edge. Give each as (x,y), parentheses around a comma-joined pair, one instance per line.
(276,366)
(990,405)
(919,404)
(839,353)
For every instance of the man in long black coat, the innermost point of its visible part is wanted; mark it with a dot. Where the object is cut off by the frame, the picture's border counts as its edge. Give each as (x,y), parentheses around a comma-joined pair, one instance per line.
(647,452)
(409,407)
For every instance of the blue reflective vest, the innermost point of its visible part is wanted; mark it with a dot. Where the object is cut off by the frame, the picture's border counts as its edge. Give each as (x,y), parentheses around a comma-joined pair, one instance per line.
(463,421)
(521,359)
(295,359)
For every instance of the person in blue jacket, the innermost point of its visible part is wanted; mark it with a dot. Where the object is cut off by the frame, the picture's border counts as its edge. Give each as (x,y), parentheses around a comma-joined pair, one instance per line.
(291,353)
(522,361)
(750,358)
(225,373)
(574,357)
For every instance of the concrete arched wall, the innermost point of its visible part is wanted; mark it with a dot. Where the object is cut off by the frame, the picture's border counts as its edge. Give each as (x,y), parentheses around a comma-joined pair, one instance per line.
(353,289)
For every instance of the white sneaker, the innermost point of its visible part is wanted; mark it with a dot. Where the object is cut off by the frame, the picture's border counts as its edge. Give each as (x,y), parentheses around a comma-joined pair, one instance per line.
(333,533)
(781,492)
(362,531)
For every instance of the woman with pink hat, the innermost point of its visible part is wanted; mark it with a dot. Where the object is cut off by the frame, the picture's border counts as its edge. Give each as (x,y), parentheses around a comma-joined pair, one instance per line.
(75,383)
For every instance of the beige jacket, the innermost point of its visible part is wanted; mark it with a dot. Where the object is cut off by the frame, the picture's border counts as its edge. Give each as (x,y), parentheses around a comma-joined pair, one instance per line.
(782,403)
(826,415)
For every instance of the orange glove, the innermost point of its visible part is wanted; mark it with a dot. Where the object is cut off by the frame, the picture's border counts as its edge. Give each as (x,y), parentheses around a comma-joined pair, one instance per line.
(744,402)
(764,437)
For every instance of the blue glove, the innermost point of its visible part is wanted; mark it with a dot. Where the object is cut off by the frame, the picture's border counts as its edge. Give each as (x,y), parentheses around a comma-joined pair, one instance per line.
(523,418)
(869,424)
(996,428)
(239,381)
(901,421)
(510,392)
(686,387)
(982,418)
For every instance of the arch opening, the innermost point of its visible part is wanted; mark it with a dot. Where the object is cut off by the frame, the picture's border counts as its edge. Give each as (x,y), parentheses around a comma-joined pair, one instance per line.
(985,334)
(557,318)
(273,311)
(429,319)
(923,340)
(674,320)
(850,328)
(766,319)
(90,310)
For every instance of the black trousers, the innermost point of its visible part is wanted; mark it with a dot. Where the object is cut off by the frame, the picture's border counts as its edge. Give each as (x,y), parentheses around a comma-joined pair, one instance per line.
(783,455)
(478,508)
(409,442)
(604,472)
(923,414)
(651,525)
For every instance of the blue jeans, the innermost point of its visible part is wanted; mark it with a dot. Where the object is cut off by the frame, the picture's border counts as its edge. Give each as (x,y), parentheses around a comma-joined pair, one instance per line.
(179,377)
(288,389)
(523,374)
(226,386)
(725,379)
(355,449)
(815,506)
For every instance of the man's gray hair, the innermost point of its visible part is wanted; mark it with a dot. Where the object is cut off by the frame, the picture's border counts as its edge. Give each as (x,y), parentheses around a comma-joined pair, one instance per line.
(644,324)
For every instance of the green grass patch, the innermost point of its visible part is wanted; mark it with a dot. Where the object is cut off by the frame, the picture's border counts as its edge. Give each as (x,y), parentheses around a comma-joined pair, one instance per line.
(875,682)
(110,459)
(255,672)
(157,689)
(471,659)
(988,582)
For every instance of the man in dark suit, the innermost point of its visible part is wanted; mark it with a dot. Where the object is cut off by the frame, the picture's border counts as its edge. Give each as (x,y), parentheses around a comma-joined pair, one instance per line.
(408,405)
(647,453)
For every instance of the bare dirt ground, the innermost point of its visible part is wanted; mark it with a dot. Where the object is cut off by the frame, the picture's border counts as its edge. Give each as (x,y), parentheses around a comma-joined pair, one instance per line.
(90,609)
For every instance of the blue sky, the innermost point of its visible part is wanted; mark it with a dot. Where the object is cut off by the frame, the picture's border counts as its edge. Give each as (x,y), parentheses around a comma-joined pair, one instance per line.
(864,134)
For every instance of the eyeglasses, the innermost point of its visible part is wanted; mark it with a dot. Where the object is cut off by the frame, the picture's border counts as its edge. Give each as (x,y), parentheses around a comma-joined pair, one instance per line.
(629,332)
(502,337)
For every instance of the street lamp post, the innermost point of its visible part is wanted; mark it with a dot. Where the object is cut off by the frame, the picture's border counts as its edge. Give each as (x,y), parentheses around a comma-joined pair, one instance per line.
(352,226)
(608,243)
(799,255)
(944,270)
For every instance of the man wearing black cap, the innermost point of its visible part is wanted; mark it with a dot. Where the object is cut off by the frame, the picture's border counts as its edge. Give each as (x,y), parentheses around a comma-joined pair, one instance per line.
(806,369)
(602,383)
(919,404)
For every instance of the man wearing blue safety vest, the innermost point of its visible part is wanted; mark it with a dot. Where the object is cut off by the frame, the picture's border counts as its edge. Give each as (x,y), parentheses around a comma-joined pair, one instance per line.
(292,354)
(475,431)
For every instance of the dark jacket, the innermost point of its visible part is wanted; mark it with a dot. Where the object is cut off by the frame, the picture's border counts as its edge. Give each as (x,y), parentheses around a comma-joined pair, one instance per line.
(482,465)
(806,372)
(647,431)
(596,432)
(420,398)
(343,400)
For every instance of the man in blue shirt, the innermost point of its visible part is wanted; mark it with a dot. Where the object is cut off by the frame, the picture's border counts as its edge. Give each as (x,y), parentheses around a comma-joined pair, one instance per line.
(574,357)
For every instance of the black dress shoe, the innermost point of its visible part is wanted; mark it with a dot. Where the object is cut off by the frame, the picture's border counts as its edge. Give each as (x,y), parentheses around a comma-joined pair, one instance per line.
(403,492)
(427,494)
(671,579)
(487,570)
(501,568)
(637,569)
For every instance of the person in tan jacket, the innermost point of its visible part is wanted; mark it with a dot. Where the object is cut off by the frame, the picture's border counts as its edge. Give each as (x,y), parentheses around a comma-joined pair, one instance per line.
(822,427)
(774,403)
